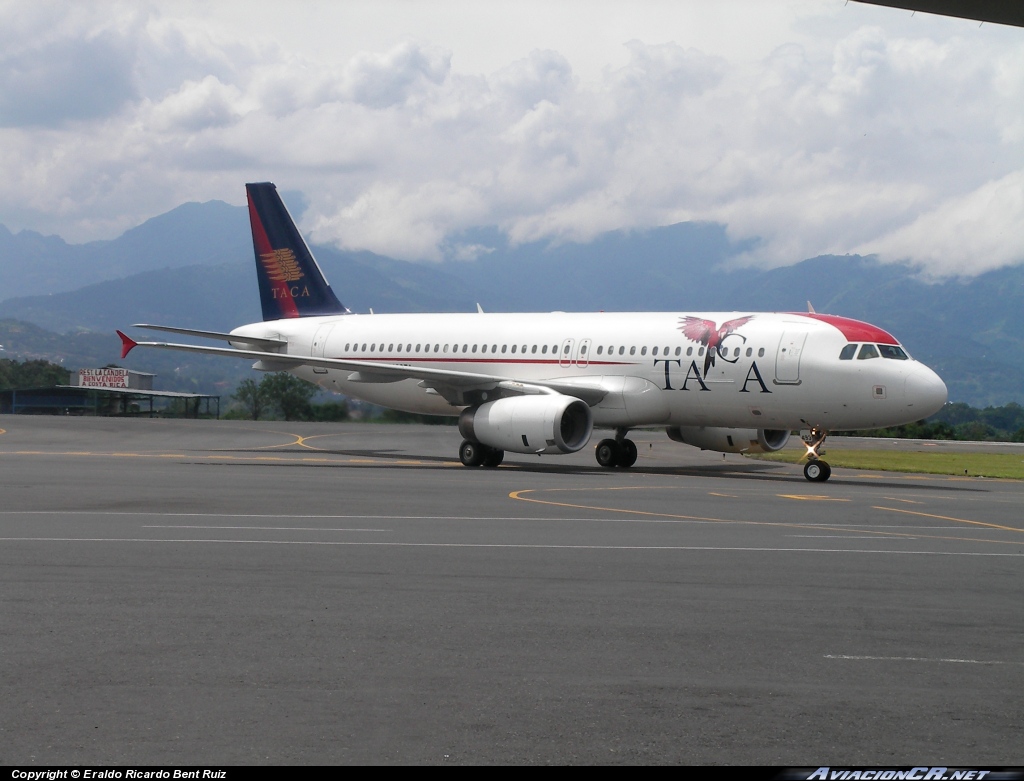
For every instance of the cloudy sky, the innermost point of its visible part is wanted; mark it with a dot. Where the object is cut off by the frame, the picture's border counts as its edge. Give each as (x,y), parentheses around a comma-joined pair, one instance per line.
(817,126)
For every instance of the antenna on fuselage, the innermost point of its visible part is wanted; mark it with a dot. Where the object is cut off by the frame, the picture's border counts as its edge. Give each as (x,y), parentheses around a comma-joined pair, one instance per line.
(810,309)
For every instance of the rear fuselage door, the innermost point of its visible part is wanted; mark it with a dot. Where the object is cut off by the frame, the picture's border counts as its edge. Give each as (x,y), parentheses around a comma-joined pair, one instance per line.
(320,344)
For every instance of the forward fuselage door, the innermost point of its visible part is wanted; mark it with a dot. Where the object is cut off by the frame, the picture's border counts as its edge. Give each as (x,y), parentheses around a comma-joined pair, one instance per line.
(787,359)
(565,354)
(320,345)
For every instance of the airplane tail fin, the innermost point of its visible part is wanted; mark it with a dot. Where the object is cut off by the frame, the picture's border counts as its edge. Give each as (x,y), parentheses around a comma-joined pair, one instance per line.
(291,283)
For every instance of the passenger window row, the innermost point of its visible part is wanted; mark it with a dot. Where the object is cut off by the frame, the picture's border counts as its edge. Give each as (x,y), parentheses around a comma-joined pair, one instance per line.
(534,349)
(450,348)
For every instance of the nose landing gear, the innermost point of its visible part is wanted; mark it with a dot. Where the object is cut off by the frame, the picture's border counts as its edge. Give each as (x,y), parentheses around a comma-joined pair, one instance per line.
(816,470)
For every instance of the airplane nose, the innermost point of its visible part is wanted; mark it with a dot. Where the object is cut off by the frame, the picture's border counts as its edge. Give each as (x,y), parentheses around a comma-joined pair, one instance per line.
(925,391)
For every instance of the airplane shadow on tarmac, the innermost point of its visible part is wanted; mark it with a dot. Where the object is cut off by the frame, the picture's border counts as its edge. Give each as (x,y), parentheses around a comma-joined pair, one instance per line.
(748,470)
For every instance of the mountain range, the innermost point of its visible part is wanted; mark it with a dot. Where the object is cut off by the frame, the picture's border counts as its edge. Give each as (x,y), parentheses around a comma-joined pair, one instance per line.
(193,267)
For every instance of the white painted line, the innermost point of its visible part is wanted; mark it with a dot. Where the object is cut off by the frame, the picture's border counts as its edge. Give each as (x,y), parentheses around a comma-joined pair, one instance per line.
(861,537)
(272,528)
(275,516)
(514,546)
(838,526)
(913,659)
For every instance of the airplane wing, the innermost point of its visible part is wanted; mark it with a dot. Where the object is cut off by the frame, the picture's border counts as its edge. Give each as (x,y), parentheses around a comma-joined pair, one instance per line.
(449,384)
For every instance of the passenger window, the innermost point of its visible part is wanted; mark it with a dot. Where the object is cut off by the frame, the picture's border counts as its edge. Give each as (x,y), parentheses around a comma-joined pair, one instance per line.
(689,351)
(848,352)
(700,351)
(622,350)
(373,347)
(679,351)
(600,349)
(544,350)
(643,351)
(347,346)
(750,351)
(632,350)
(408,348)
(893,351)
(504,348)
(583,350)
(760,353)
(494,348)
(867,351)
(533,349)
(514,347)
(364,349)
(391,347)
(446,348)
(654,351)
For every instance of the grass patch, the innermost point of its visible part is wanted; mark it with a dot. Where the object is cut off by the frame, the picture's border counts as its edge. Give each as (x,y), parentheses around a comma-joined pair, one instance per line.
(1004,465)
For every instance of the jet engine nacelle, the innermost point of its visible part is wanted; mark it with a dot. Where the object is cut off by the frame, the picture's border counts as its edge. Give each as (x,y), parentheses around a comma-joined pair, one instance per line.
(730,440)
(530,424)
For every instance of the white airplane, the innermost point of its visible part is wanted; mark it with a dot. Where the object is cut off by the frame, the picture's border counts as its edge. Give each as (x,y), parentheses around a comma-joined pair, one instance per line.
(734,382)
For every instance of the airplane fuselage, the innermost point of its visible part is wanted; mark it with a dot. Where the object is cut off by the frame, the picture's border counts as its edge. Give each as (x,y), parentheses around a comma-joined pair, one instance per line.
(775,371)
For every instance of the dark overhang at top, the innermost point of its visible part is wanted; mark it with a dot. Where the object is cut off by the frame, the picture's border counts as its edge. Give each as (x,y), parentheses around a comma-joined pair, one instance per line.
(995,11)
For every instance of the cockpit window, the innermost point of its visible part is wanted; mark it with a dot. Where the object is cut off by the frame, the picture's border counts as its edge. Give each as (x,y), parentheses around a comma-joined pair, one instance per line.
(893,351)
(848,352)
(867,351)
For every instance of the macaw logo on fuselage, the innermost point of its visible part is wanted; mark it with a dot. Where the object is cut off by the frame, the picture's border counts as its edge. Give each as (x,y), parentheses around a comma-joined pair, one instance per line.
(282,267)
(706,333)
(711,338)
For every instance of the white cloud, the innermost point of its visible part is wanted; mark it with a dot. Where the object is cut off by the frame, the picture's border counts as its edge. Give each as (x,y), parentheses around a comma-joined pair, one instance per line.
(815,126)
(65,80)
(963,235)
(198,105)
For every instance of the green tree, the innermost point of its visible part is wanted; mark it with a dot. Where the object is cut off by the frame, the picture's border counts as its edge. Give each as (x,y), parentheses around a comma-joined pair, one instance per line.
(252,398)
(289,396)
(975,431)
(31,374)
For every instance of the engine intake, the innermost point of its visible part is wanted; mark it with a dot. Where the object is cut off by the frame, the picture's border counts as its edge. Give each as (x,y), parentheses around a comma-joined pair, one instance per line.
(530,424)
(730,440)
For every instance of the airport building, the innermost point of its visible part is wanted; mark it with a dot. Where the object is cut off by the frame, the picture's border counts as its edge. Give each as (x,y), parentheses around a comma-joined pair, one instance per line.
(108,392)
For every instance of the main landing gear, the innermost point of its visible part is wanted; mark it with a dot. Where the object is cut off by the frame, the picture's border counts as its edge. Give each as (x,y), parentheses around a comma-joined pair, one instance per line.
(476,454)
(816,470)
(619,452)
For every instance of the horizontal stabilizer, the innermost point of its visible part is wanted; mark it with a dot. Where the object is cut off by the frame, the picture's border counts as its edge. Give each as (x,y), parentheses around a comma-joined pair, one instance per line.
(255,341)
(127,343)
